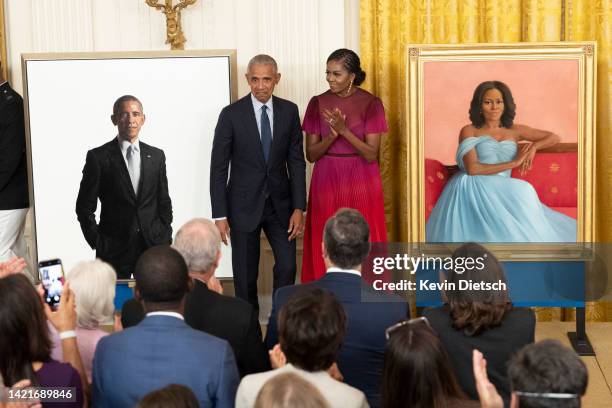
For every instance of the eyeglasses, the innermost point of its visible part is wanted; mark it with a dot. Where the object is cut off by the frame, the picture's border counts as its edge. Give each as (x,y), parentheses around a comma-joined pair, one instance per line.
(551,395)
(411,322)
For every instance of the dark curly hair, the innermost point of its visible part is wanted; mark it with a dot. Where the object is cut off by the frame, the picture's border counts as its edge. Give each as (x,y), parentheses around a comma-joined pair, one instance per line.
(507,118)
(473,312)
(351,62)
(311,328)
(548,367)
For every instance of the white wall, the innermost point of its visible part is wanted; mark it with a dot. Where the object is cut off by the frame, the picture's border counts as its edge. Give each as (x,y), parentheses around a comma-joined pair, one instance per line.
(300,34)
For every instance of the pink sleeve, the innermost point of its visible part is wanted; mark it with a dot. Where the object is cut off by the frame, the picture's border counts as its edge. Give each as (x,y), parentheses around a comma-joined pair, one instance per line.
(312,121)
(375,121)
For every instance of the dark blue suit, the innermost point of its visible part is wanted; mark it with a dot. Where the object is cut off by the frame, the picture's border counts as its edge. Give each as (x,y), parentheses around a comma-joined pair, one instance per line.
(163,350)
(368,312)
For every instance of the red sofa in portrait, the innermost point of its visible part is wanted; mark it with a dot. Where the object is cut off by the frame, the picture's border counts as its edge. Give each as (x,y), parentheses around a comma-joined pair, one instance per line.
(554,176)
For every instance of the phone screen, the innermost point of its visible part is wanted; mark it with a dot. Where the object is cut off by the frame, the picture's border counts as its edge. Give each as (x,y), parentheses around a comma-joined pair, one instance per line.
(52,279)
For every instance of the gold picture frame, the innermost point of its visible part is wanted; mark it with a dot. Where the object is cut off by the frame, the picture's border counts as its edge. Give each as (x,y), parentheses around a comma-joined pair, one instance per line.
(3,56)
(580,54)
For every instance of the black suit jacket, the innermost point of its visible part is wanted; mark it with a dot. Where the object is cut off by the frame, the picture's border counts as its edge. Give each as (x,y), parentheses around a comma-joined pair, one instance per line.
(497,344)
(252,180)
(123,214)
(368,312)
(13,164)
(226,317)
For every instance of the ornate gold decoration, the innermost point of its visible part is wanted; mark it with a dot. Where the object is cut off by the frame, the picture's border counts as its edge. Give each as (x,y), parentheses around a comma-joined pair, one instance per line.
(3,58)
(414,52)
(174,31)
(589,49)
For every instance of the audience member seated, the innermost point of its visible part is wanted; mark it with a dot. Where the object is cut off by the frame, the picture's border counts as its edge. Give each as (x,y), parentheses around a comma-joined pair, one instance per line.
(311,326)
(24,338)
(345,246)
(93,284)
(289,391)
(483,320)
(226,317)
(542,375)
(417,370)
(171,396)
(162,349)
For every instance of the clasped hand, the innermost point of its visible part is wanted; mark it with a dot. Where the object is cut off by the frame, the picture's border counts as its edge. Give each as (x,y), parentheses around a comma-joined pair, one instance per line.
(336,120)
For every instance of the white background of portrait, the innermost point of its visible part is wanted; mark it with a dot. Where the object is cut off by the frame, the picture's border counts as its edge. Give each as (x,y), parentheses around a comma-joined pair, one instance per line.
(70,102)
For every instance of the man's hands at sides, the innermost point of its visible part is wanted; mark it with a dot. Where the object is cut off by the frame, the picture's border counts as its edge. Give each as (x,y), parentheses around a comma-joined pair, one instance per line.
(224,229)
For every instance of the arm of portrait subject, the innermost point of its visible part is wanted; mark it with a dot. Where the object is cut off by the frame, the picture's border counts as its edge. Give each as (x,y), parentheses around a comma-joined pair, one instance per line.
(540,139)
(475,168)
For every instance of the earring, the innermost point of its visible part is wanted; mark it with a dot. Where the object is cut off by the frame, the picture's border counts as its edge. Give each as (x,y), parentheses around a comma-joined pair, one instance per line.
(348,91)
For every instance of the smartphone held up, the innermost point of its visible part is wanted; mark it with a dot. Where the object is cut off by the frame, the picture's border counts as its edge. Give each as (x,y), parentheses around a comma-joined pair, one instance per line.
(52,279)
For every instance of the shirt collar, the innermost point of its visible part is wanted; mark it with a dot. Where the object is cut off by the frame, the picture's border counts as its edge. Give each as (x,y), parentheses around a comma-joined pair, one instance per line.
(351,271)
(124,144)
(257,104)
(170,314)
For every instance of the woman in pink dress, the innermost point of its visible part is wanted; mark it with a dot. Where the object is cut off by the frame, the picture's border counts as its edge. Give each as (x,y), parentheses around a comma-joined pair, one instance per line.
(343,128)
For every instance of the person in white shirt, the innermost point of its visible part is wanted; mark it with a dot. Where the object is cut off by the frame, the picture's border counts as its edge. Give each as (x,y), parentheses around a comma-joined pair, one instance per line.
(312,325)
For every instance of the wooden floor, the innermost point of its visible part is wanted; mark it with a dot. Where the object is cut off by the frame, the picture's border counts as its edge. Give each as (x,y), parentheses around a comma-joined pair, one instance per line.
(599,392)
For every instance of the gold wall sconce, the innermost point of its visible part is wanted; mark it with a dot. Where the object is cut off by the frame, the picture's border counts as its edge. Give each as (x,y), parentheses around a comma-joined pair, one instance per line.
(174,32)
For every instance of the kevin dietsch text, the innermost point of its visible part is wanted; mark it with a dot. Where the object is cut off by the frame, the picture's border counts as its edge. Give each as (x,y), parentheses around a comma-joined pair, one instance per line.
(426,284)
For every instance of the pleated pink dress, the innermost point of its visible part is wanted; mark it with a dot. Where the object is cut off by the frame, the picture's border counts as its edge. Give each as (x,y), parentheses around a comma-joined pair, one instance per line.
(342,178)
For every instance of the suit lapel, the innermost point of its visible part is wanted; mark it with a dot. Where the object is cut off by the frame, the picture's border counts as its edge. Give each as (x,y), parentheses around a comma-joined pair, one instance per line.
(121,169)
(252,131)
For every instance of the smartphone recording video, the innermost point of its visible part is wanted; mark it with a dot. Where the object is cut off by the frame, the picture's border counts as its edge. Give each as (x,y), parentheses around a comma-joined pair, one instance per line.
(52,279)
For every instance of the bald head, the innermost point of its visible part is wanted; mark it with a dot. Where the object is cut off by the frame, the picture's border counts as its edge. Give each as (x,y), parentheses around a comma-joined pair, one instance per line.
(199,242)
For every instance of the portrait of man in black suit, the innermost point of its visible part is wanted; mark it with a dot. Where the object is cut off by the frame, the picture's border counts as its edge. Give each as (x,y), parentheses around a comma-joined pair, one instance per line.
(129,178)
(259,137)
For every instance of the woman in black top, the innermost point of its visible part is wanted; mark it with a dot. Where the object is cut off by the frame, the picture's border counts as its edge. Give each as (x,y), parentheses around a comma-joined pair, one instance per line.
(480,319)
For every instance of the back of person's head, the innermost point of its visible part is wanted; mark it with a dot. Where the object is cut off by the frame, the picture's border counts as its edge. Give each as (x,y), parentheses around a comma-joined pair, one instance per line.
(93,284)
(171,396)
(417,370)
(199,242)
(24,336)
(346,238)
(547,374)
(474,311)
(161,277)
(289,390)
(311,328)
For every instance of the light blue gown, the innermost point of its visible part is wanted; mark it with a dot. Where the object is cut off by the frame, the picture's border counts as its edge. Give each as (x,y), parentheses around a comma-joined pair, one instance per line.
(494,208)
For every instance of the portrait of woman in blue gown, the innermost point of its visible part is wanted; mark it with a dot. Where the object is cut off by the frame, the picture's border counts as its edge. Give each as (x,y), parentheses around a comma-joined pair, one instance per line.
(482,202)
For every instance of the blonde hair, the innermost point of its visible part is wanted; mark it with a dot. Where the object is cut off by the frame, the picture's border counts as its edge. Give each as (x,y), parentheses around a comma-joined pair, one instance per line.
(289,391)
(93,284)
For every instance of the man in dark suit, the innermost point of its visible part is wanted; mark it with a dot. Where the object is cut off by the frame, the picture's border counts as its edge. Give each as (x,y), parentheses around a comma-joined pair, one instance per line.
(162,349)
(226,317)
(260,136)
(14,201)
(345,246)
(129,179)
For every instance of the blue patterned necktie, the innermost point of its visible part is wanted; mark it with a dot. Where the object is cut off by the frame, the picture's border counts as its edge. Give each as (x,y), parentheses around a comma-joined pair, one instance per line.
(266,133)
